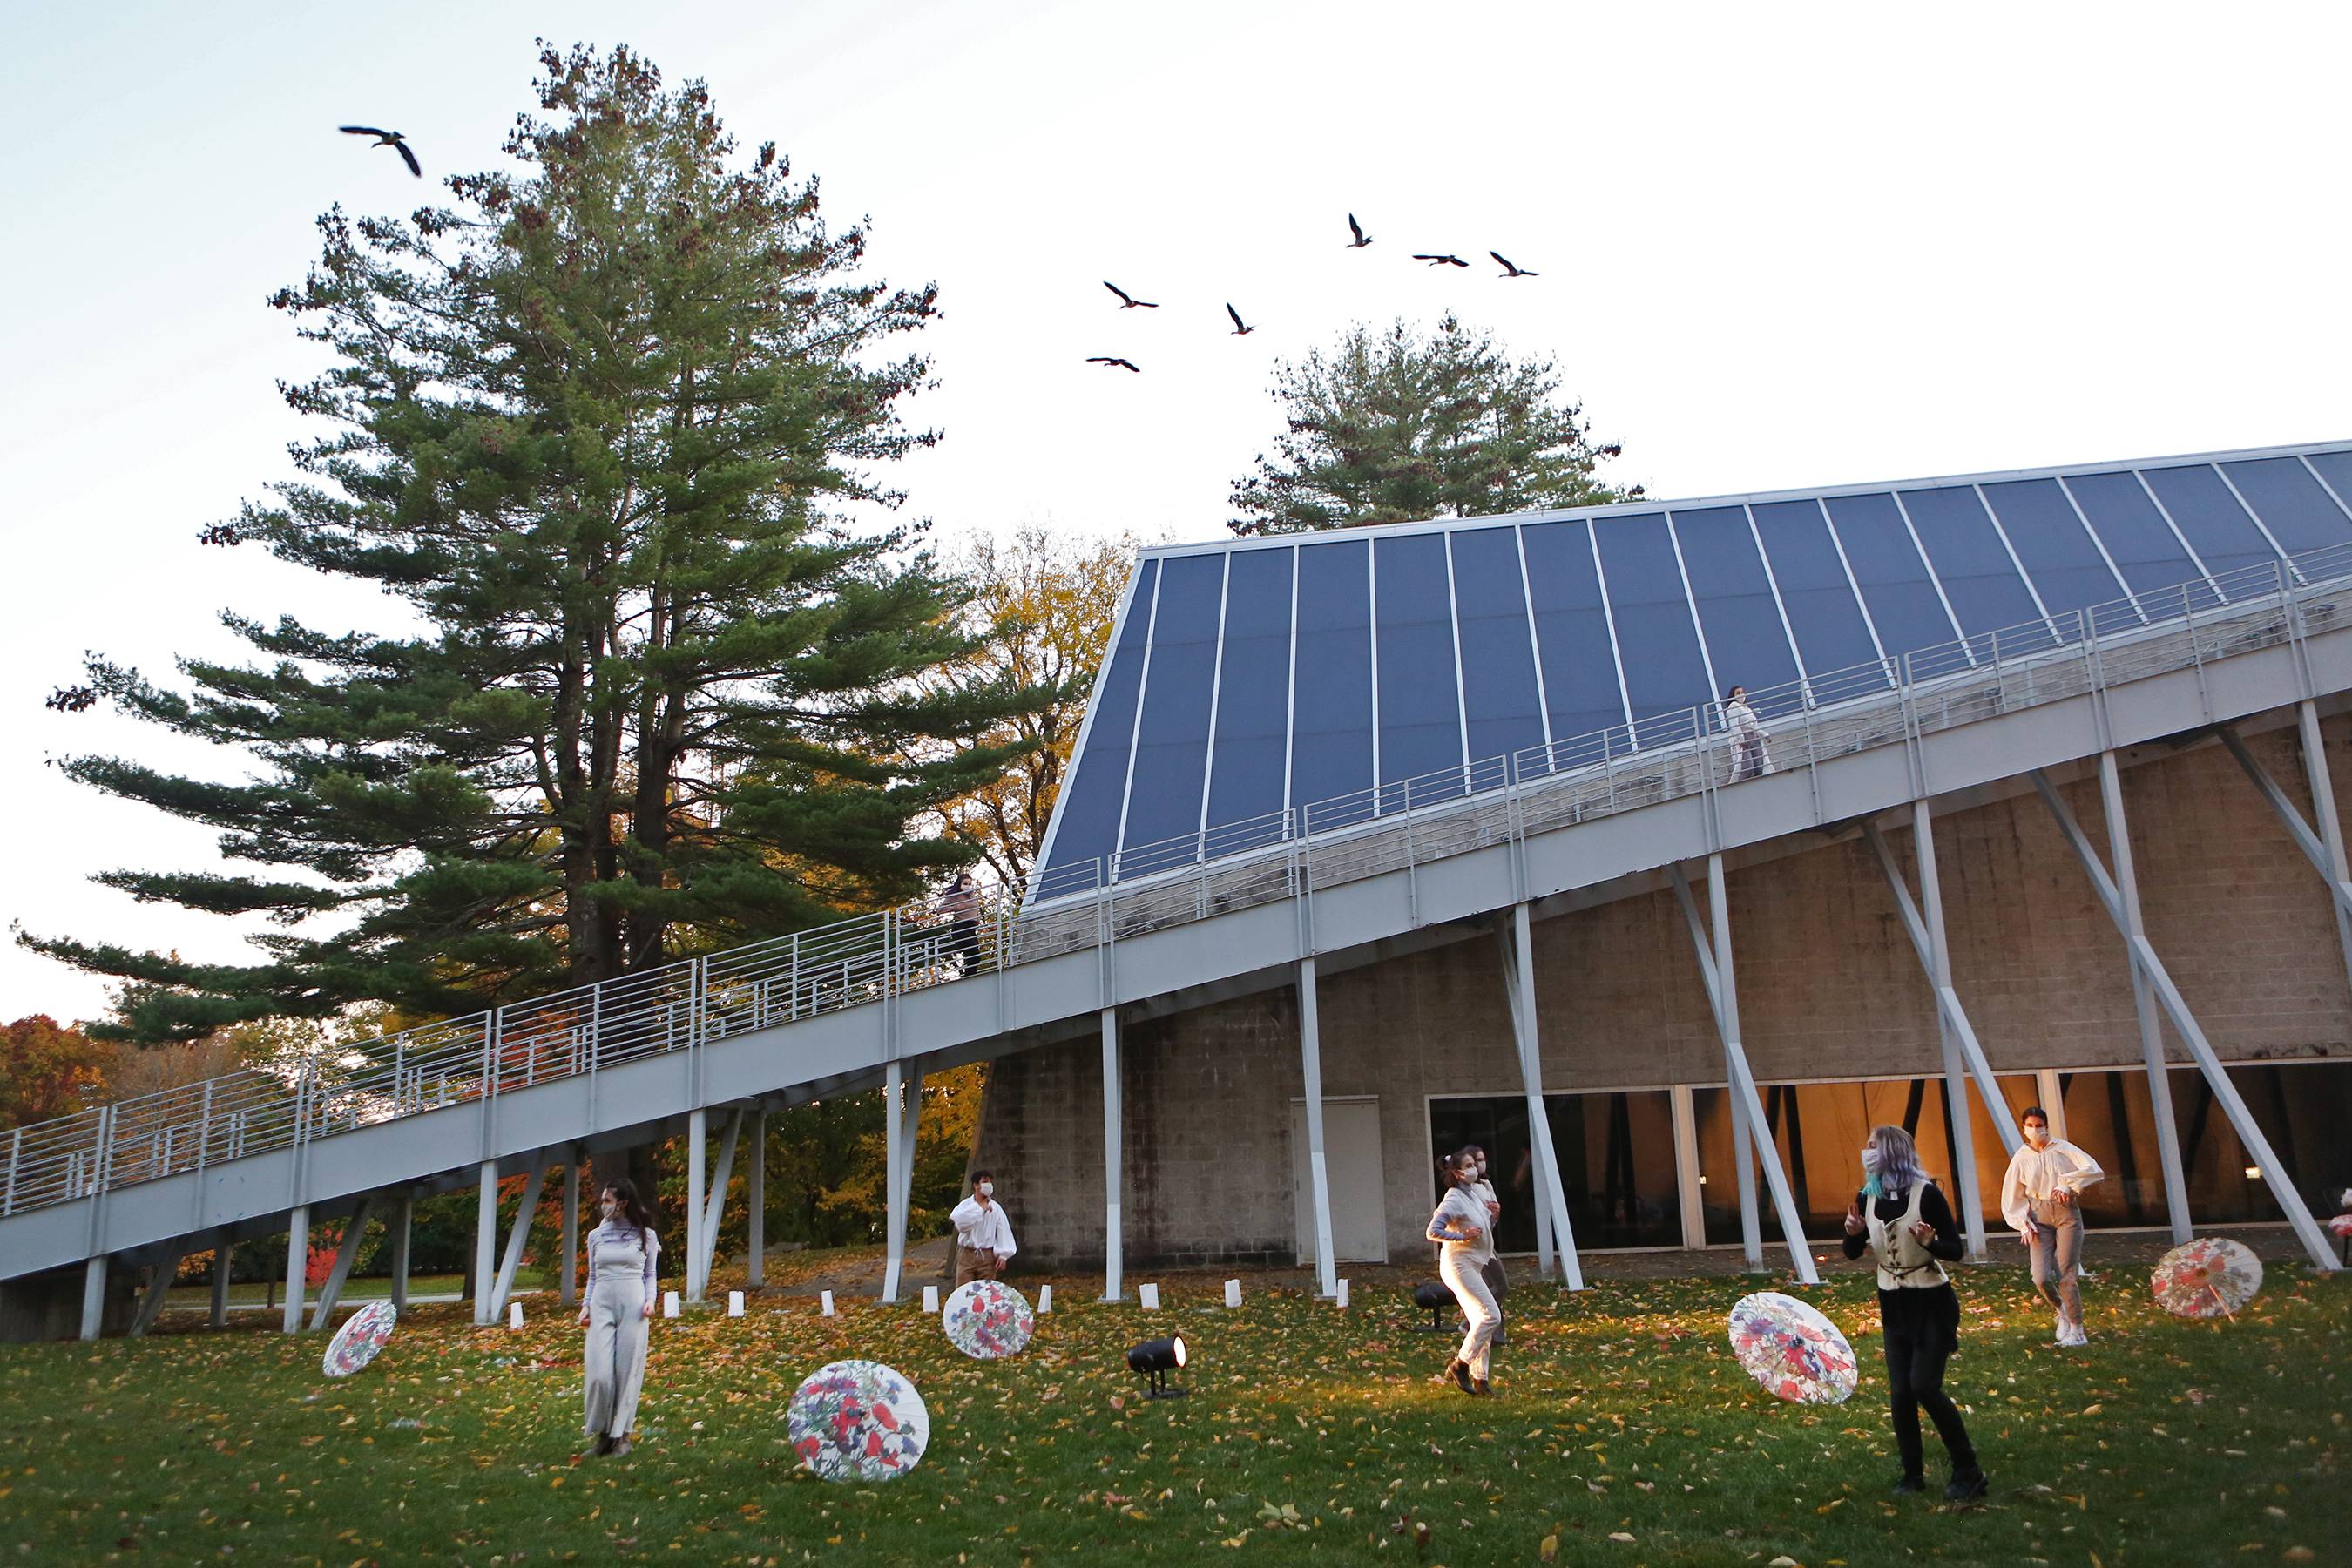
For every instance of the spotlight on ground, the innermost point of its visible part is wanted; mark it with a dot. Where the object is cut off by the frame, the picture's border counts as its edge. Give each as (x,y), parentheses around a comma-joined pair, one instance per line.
(1432,1299)
(1155,1358)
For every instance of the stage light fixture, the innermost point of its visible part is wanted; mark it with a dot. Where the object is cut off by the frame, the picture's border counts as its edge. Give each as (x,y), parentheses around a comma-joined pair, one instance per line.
(1155,1358)
(1432,1299)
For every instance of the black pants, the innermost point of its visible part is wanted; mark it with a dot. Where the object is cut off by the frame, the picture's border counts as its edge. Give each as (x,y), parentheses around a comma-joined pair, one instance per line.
(1915,1380)
(963,944)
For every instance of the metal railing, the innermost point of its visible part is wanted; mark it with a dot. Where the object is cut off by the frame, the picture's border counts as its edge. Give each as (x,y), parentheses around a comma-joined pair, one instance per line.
(1147,888)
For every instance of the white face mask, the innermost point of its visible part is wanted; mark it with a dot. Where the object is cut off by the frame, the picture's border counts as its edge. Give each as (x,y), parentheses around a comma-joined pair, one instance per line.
(1482,1167)
(1870,1157)
(988,1189)
(2037,1136)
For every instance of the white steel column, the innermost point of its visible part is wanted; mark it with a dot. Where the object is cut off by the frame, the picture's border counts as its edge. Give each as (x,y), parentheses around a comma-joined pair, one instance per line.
(568,1289)
(2324,850)
(298,1257)
(1114,1110)
(2051,1094)
(1716,969)
(1551,1197)
(1687,1175)
(697,1135)
(2121,897)
(715,1207)
(93,1296)
(1310,1063)
(332,1290)
(150,1300)
(517,1236)
(894,1195)
(755,1181)
(404,1214)
(485,1241)
(224,1249)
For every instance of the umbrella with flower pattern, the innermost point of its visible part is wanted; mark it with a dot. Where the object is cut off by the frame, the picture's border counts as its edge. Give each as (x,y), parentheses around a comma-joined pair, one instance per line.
(2212,1277)
(362,1336)
(858,1421)
(1792,1350)
(988,1319)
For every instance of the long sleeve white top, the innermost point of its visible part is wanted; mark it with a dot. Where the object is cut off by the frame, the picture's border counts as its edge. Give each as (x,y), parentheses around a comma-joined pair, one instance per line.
(989,1226)
(617,1235)
(2035,1175)
(1457,1213)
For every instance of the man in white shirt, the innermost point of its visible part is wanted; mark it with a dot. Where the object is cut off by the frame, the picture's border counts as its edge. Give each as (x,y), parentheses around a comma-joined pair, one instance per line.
(2041,1196)
(984,1242)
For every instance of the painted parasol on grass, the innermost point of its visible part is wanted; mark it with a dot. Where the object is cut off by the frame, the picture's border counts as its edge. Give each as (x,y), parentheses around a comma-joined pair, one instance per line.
(2212,1277)
(1792,1350)
(858,1421)
(988,1319)
(362,1336)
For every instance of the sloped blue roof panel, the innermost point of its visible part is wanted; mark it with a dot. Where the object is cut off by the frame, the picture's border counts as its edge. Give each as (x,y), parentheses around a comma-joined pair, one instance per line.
(1265,687)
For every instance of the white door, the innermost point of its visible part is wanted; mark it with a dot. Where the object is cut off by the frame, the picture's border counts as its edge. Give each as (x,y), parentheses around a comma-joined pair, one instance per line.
(1351,1164)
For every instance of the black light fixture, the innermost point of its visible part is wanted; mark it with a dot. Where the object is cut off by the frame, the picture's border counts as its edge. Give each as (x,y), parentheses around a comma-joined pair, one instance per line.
(1433,1298)
(1155,1358)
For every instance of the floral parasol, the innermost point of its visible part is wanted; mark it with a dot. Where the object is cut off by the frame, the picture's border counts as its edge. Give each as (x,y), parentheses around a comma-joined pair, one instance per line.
(1792,1350)
(988,1319)
(858,1421)
(362,1336)
(2212,1277)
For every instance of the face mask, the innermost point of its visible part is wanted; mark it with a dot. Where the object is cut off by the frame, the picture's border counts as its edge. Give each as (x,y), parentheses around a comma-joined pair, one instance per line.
(2037,1136)
(1482,1167)
(1870,1157)
(988,1189)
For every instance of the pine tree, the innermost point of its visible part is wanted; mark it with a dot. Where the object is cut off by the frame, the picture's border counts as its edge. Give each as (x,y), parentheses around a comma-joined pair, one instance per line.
(608,424)
(1394,428)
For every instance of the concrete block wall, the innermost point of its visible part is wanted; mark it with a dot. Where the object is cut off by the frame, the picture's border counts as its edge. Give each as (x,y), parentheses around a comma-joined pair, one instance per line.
(1829,988)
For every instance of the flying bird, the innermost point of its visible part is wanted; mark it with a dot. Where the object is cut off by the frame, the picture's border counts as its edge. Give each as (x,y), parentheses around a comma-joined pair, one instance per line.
(1442,260)
(1509,270)
(1362,239)
(1123,364)
(390,139)
(1127,301)
(1241,327)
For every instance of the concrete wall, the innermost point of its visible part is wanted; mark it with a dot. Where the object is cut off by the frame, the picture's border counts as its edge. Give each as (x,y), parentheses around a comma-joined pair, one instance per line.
(1829,988)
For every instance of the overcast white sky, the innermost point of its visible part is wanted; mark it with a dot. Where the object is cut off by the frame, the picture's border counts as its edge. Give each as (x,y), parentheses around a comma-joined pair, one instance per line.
(1780,245)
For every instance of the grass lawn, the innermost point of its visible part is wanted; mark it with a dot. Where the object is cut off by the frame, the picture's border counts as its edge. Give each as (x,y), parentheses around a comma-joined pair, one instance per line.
(247,1293)
(1623,1433)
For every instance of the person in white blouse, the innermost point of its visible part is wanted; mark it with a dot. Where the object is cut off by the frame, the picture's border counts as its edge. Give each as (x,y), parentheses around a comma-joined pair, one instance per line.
(1752,760)
(1460,1227)
(621,1279)
(1497,1282)
(984,1243)
(2041,1197)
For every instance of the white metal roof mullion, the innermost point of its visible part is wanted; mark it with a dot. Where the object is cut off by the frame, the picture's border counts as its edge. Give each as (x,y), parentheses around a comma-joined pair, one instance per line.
(1372,644)
(1690,603)
(1935,582)
(1609,620)
(2243,505)
(2032,591)
(2100,546)
(1535,644)
(1143,690)
(1086,724)
(1773,581)
(1290,693)
(2311,468)
(1869,623)
(2165,512)
(1216,688)
(1461,690)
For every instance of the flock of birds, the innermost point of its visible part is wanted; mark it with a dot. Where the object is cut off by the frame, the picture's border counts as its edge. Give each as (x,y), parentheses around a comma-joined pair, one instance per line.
(1126,301)
(1241,329)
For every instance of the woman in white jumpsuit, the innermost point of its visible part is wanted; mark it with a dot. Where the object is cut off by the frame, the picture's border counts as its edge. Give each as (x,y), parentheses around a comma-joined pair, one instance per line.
(621,1254)
(1460,1224)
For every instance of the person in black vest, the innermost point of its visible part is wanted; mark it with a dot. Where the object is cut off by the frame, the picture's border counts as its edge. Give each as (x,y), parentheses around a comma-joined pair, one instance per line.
(1901,1217)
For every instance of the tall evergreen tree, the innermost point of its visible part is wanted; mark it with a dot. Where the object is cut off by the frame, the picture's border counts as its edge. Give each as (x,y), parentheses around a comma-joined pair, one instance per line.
(605,422)
(1392,427)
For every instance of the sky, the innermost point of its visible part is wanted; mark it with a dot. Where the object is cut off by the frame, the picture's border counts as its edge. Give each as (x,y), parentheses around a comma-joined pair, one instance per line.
(1779,246)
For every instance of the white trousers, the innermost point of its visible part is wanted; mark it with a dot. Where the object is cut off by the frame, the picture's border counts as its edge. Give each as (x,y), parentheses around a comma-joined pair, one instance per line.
(615,1358)
(1467,1280)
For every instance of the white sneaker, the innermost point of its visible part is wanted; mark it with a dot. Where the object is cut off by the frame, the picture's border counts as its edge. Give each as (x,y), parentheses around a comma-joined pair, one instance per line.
(2071,1334)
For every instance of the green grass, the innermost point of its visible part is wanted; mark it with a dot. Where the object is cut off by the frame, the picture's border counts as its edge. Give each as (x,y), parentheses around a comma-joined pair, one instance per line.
(242,1292)
(1623,1429)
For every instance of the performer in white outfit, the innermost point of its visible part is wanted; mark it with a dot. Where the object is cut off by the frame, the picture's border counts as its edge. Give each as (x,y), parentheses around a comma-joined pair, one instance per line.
(1747,733)
(2041,1197)
(621,1253)
(1460,1224)
(984,1242)
(1497,1281)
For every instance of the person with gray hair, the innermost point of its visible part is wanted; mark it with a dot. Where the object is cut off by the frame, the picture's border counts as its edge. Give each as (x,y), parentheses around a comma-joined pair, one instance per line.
(1900,1215)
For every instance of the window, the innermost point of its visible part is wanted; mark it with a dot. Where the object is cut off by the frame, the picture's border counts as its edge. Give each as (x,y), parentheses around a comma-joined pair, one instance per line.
(1616,1154)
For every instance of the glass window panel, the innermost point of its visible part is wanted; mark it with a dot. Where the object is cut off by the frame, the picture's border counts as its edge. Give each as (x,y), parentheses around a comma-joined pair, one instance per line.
(1332,731)
(2063,558)
(1903,602)
(2213,521)
(1573,633)
(1664,672)
(2290,503)
(1978,578)
(1830,631)
(1087,823)
(2302,1109)
(2143,544)
(1498,660)
(2336,468)
(1818,1129)
(1745,638)
(1616,1153)
(1171,743)
(1253,701)
(1421,719)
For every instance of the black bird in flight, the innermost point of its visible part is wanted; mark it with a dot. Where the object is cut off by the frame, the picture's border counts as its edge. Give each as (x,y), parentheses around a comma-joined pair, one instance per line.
(1509,270)
(1362,239)
(1241,327)
(1127,301)
(1442,260)
(1106,359)
(390,139)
